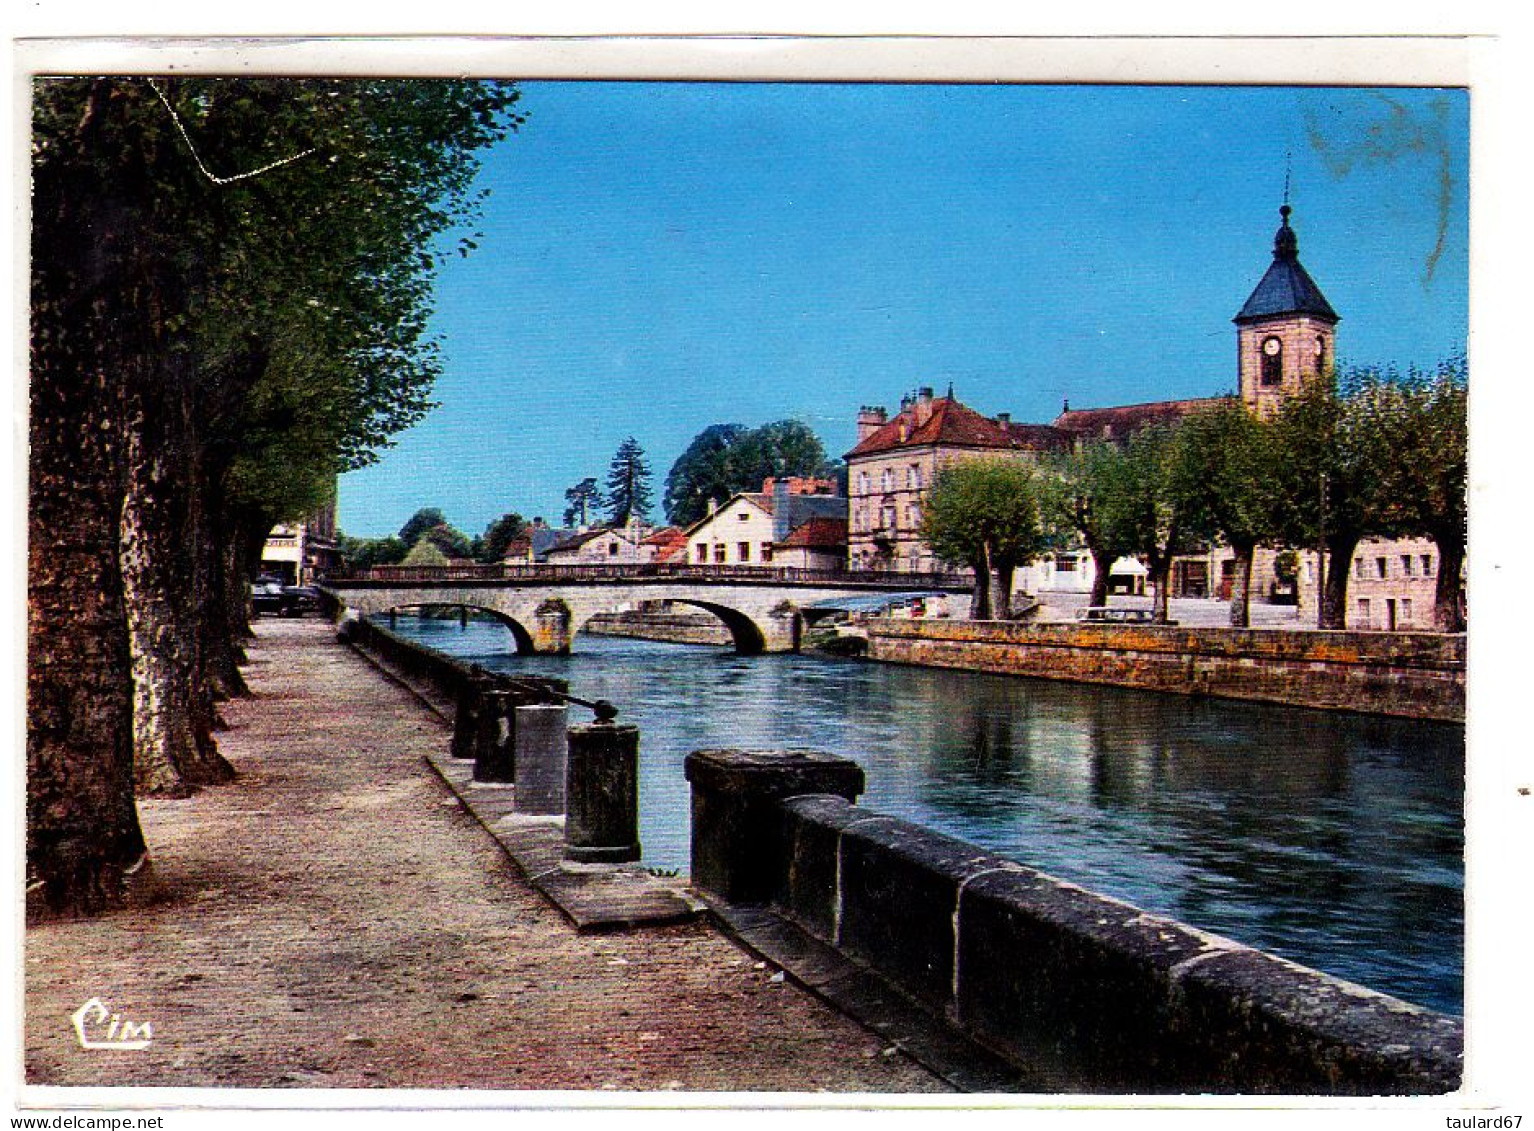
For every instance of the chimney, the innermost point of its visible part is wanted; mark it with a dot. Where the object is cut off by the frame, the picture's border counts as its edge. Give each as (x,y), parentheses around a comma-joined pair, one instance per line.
(780,496)
(713,505)
(1004,418)
(870,419)
(921,408)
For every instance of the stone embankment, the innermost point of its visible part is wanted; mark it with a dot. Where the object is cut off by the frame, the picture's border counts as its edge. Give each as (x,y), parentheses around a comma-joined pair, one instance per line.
(334,919)
(1413,675)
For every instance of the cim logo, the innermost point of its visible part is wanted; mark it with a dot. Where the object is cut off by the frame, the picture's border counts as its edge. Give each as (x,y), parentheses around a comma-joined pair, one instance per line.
(97,1027)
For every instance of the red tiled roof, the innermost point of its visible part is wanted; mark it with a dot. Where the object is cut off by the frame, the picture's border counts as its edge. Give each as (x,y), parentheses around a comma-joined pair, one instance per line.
(952,424)
(818,532)
(1121,421)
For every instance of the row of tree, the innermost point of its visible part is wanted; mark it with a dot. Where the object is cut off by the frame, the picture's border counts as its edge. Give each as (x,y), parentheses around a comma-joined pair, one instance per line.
(229,294)
(1374,454)
(427,538)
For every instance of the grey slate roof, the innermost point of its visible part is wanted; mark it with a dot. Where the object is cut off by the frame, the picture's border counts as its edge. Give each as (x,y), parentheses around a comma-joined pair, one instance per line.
(1286,288)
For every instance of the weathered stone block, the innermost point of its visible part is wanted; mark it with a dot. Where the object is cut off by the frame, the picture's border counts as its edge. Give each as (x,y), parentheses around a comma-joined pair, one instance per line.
(810,892)
(899,893)
(737,845)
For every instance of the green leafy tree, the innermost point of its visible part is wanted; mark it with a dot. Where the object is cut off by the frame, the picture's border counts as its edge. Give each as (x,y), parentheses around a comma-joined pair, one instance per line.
(418,524)
(251,260)
(499,535)
(628,484)
(985,514)
(703,472)
(581,500)
(1087,498)
(725,459)
(364,553)
(1222,478)
(1427,482)
(1334,468)
(425,553)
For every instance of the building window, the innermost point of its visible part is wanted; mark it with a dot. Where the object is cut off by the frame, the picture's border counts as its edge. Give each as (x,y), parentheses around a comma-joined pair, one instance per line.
(719,552)
(1319,348)
(744,550)
(889,518)
(1427,565)
(766,551)
(913,477)
(886,479)
(862,482)
(1358,567)
(1065,563)
(702,553)
(612,549)
(1406,565)
(1405,610)
(1364,620)
(1272,361)
(1384,567)
(744,516)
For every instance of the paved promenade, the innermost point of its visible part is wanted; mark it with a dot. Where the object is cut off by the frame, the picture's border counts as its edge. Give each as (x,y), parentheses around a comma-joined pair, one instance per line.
(332,919)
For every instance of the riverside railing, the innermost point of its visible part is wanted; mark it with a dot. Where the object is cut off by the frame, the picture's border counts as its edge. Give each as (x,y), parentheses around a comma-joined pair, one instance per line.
(536,573)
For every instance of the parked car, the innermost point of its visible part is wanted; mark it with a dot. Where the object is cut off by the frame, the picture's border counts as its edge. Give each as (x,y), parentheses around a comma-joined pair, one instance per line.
(300,599)
(266,595)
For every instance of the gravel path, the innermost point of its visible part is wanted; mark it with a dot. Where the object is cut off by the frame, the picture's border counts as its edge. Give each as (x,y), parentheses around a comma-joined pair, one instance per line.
(333,919)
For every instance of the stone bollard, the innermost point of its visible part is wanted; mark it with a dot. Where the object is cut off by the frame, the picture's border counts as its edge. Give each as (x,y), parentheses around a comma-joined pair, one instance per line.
(495,738)
(541,748)
(602,793)
(737,832)
(466,719)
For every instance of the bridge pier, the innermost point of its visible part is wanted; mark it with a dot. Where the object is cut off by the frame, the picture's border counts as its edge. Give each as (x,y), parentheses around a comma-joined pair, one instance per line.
(553,628)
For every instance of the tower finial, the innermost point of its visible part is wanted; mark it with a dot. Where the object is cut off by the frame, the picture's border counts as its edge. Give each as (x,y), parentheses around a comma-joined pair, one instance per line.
(1288,166)
(1286,245)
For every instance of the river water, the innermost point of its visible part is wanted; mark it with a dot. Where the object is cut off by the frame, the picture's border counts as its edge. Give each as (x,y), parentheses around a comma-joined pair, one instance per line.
(1334,840)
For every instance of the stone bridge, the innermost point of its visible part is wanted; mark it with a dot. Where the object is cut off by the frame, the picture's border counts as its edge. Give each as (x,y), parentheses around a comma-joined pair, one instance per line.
(765,609)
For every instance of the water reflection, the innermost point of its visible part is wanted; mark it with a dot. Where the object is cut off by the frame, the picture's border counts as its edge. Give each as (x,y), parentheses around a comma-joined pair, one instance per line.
(1333,840)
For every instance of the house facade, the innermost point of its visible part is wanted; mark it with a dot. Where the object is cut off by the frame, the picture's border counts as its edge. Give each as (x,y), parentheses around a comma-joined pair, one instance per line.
(896,460)
(748,529)
(302,552)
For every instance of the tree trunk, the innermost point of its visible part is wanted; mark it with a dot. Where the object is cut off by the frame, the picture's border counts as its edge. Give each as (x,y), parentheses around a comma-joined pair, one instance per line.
(174,749)
(1161,578)
(980,607)
(1333,612)
(85,850)
(1241,587)
(1001,599)
(1102,565)
(1448,613)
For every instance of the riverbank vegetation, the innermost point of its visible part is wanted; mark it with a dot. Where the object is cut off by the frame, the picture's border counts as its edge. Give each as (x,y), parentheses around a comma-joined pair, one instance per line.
(229,292)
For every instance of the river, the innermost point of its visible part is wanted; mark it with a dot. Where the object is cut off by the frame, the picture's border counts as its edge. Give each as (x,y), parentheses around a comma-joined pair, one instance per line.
(1331,839)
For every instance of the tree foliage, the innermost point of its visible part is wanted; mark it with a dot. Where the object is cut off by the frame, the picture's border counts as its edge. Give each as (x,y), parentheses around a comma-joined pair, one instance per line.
(628,484)
(985,514)
(581,499)
(725,459)
(499,535)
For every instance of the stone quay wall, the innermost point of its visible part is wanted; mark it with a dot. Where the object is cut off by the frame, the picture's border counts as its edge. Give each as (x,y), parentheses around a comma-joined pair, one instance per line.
(1087,992)
(1415,675)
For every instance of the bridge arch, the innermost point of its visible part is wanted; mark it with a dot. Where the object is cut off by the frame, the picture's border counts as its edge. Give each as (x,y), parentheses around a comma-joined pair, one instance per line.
(745,633)
(519,632)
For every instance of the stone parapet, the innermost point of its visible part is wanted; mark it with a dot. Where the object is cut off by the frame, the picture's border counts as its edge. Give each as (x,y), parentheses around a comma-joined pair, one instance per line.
(1088,993)
(1415,675)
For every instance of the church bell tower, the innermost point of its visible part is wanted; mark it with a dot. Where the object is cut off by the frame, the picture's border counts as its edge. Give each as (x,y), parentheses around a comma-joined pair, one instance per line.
(1286,331)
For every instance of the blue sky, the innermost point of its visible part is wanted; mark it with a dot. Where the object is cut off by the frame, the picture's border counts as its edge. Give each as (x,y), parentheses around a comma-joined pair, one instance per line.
(659,257)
